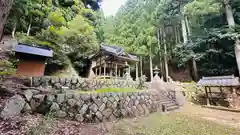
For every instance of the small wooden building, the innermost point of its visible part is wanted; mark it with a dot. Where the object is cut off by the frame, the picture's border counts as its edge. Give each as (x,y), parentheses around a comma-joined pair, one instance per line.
(112,61)
(224,84)
(31,59)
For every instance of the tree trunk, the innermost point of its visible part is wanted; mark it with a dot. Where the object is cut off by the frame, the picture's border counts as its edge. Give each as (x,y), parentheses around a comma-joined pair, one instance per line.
(188,28)
(231,23)
(237,53)
(151,66)
(229,14)
(29,29)
(5,6)
(141,65)
(165,54)
(184,31)
(159,51)
(195,74)
(194,64)
(176,35)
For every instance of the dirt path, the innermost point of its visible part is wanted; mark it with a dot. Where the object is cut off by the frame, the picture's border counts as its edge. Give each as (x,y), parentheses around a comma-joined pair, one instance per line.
(218,116)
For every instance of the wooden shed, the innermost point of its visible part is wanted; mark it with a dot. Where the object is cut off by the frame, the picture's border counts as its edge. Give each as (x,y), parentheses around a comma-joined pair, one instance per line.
(31,59)
(222,83)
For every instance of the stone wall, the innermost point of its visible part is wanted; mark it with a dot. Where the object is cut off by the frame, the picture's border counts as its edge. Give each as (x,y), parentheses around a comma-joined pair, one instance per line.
(89,107)
(82,83)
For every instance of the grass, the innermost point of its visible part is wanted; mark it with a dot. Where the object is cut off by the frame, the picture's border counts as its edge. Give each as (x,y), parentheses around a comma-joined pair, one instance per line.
(114,90)
(171,124)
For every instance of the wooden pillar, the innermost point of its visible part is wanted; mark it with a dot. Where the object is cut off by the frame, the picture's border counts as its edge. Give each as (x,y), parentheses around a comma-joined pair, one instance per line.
(137,71)
(104,70)
(95,71)
(210,95)
(207,98)
(221,93)
(100,68)
(111,72)
(100,71)
(116,69)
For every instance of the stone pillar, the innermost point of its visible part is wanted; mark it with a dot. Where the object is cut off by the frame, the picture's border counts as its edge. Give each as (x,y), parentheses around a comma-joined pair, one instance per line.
(234,97)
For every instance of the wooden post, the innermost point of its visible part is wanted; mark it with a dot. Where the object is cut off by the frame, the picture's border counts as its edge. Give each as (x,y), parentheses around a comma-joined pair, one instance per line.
(104,70)
(119,73)
(116,75)
(110,72)
(208,103)
(95,71)
(137,71)
(210,95)
(221,93)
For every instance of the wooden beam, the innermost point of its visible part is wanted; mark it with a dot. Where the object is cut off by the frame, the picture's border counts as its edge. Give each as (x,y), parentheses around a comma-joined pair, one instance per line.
(207,98)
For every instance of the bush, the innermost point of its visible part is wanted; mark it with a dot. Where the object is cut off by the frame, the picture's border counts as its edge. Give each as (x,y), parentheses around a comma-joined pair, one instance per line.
(6,68)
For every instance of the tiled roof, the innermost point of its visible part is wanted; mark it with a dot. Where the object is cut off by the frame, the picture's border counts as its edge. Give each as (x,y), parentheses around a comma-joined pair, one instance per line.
(23,48)
(116,51)
(219,81)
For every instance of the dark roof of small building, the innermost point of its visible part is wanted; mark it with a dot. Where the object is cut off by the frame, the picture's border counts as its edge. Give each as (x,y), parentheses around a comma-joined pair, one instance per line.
(24,48)
(116,51)
(219,81)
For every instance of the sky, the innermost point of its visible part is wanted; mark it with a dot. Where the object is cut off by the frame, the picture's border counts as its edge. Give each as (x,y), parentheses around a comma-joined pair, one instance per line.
(110,7)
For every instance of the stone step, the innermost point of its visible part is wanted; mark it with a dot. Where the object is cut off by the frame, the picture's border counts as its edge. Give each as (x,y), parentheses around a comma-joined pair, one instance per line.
(167,102)
(171,108)
(170,104)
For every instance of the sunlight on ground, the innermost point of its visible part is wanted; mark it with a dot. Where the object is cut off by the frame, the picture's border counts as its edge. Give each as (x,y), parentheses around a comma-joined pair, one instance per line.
(187,122)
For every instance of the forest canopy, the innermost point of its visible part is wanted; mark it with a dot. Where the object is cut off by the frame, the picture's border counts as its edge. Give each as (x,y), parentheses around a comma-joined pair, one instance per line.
(195,36)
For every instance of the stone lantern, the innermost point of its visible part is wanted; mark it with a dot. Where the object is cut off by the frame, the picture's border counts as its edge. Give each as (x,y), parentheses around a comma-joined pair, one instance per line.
(156,70)
(126,70)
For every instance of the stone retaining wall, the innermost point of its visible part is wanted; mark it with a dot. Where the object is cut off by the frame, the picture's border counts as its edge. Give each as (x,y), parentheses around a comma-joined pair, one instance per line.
(83,83)
(94,107)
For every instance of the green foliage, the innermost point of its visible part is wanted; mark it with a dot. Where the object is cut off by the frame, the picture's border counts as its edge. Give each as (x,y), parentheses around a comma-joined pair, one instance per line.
(66,26)
(6,68)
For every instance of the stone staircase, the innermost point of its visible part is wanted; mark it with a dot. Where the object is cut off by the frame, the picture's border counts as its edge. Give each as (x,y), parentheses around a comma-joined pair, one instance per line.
(169,104)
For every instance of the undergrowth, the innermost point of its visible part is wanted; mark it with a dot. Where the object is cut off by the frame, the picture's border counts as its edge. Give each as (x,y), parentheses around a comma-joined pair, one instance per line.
(44,126)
